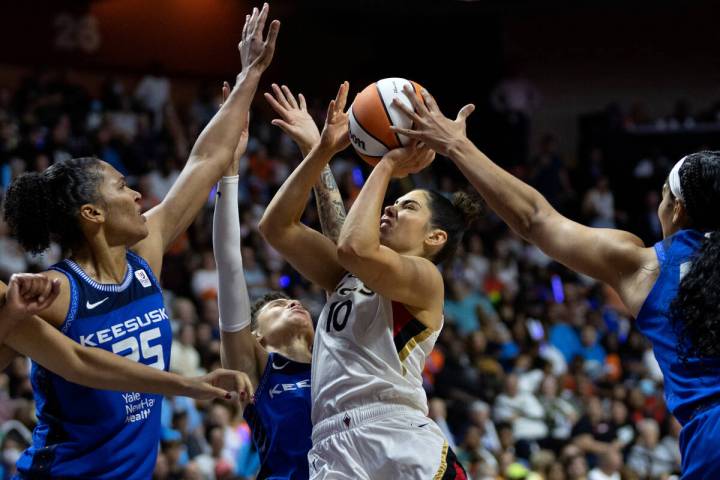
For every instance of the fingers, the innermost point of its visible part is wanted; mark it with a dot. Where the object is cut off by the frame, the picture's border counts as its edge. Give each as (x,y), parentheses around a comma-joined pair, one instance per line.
(289,96)
(13,291)
(225,91)
(284,126)
(54,292)
(271,39)
(429,101)
(245,28)
(417,105)
(44,292)
(406,110)
(279,109)
(465,112)
(407,132)
(341,98)
(303,104)
(330,112)
(280,96)
(261,18)
(245,390)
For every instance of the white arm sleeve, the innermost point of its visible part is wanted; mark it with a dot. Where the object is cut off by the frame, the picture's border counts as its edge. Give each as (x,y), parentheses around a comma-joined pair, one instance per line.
(233,299)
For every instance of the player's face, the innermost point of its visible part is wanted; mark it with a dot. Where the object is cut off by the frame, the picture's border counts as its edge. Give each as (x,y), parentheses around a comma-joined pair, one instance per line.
(124,223)
(405,224)
(281,318)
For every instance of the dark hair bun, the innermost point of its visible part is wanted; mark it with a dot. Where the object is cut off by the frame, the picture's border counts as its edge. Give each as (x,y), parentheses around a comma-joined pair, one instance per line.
(470,205)
(43,207)
(26,209)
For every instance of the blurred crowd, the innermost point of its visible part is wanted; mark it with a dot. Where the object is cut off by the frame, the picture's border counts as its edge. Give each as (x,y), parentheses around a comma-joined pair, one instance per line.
(538,372)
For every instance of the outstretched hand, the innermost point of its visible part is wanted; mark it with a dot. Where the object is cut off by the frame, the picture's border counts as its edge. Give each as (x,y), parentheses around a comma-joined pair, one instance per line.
(225,384)
(256,53)
(336,133)
(410,159)
(295,120)
(242,144)
(28,294)
(430,125)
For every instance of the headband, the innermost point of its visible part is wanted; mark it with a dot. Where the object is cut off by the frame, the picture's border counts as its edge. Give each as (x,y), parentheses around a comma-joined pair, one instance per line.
(674,180)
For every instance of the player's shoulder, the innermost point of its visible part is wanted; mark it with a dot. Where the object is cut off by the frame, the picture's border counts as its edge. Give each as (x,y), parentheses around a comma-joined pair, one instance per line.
(55,314)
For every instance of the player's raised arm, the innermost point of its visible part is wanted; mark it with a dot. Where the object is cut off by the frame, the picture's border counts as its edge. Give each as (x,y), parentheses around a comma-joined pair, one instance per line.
(239,348)
(298,124)
(613,256)
(214,148)
(409,279)
(308,251)
(28,294)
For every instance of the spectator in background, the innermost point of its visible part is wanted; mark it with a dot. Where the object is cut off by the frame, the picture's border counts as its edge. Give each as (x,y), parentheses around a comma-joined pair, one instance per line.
(463,306)
(592,352)
(514,98)
(153,94)
(608,467)
(548,173)
(522,410)
(205,279)
(184,358)
(649,458)
(599,205)
(593,433)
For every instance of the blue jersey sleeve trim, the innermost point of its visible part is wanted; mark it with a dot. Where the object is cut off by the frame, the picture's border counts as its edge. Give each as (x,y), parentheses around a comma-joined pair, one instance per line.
(74,300)
(143,263)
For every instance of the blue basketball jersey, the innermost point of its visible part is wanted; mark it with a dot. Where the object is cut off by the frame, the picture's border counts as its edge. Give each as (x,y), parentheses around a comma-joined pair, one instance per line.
(99,434)
(280,419)
(691,384)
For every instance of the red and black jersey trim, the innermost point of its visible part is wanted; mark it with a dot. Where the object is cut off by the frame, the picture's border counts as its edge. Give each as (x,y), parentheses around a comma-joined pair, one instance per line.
(408,331)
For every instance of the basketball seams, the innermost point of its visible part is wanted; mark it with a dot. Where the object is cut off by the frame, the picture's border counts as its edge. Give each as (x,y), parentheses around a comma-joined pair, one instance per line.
(367,132)
(387,113)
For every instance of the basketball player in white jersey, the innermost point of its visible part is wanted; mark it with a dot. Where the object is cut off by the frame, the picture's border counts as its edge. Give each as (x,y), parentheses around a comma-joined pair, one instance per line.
(369,408)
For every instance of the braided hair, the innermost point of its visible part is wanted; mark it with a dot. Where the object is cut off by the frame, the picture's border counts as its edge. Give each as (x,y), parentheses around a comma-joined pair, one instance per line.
(695,309)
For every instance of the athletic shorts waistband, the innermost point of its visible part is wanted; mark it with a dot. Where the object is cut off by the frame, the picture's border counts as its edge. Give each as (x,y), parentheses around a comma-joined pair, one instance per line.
(349,419)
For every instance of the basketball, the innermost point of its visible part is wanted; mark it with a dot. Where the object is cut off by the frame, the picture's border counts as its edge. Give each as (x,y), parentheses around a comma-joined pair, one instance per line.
(372,114)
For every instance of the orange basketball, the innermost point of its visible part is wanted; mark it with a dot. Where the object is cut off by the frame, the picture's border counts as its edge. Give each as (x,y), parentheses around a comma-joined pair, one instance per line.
(372,113)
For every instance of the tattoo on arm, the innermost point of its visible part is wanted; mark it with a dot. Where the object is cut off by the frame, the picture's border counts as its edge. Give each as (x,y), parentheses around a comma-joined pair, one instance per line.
(330,205)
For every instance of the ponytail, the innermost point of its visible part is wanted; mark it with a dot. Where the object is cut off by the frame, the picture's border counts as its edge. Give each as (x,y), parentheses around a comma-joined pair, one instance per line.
(43,207)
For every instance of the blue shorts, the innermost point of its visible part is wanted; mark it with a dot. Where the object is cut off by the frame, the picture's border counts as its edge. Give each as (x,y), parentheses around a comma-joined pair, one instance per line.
(699,440)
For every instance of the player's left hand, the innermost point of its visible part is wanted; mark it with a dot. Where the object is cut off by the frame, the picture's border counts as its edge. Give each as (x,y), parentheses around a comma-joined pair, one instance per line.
(430,125)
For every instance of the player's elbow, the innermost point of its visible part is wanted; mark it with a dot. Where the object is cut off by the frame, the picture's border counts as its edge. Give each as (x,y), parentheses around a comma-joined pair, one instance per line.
(350,251)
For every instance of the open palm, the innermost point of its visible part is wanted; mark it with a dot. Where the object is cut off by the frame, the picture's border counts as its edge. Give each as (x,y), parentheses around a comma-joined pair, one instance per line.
(335,135)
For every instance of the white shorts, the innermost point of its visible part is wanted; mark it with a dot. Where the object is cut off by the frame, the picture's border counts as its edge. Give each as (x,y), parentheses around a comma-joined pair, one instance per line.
(380,442)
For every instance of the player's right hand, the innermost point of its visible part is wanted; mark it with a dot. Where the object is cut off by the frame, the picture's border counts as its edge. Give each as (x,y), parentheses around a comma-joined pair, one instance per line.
(410,159)
(27,294)
(256,53)
(224,384)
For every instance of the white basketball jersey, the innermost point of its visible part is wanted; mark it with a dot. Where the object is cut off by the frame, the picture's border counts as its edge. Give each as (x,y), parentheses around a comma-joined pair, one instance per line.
(368,349)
